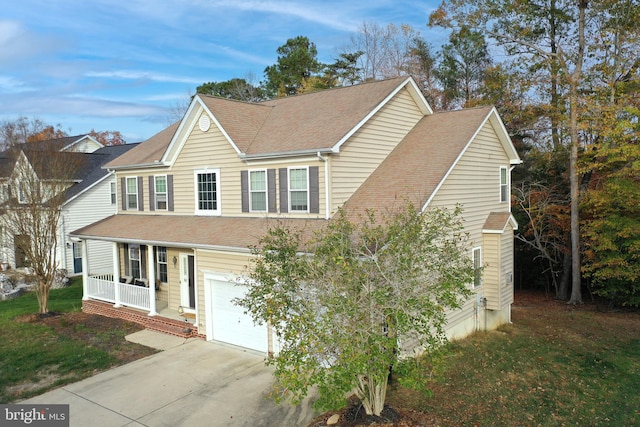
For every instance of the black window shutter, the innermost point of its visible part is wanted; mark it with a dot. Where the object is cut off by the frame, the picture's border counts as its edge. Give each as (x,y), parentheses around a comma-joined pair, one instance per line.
(152,193)
(123,193)
(244,190)
(170,192)
(284,190)
(271,190)
(143,262)
(126,259)
(314,190)
(140,194)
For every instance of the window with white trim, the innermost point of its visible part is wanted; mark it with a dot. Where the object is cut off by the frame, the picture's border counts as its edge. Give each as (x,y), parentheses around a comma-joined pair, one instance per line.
(258,190)
(207,183)
(132,192)
(112,187)
(298,190)
(477,267)
(134,260)
(504,184)
(22,197)
(160,190)
(161,264)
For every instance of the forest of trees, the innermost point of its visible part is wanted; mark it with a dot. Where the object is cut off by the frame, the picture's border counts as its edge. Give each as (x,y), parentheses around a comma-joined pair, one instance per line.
(564,77)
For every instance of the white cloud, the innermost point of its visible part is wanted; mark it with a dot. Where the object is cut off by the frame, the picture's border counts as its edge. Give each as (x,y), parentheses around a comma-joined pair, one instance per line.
(17,43)
(332,15)
(142,75)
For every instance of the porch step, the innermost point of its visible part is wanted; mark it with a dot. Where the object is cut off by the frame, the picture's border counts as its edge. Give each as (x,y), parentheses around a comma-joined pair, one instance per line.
(165,325)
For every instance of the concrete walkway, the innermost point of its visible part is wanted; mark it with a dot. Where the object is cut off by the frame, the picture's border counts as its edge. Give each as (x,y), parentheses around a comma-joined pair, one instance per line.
(190,383)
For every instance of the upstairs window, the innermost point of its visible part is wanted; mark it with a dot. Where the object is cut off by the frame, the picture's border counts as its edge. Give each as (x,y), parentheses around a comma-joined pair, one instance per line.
(298,190)
(258,190)
(132,193)
(504,185)
(113,193)
(160,186)
(207,192)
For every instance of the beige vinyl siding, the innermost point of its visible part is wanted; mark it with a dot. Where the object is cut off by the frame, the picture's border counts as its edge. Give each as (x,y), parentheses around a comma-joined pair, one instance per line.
(170,291)
(206,150)
(492,270)
(370,145)
(475,183)
(506,261)
(233,264)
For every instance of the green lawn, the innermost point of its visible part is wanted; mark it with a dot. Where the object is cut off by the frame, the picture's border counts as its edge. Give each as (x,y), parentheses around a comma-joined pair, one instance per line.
(36,355)
(556,365)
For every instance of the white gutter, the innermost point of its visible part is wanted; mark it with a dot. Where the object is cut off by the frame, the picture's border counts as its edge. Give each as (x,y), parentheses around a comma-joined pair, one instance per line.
(326,185)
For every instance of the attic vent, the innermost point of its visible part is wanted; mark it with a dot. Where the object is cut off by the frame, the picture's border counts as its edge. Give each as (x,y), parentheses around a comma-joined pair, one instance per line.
(204,123)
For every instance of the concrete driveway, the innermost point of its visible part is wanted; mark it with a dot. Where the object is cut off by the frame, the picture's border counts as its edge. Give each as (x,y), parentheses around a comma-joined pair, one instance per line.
(189,383)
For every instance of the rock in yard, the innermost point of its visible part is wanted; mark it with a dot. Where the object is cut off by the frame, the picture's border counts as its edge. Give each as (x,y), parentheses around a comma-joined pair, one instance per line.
(333,419)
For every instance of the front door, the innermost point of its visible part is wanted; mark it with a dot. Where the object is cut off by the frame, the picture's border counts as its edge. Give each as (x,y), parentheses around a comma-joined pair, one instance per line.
(187,282)
(77,257)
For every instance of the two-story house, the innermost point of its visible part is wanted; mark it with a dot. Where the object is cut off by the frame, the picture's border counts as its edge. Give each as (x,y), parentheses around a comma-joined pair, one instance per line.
(193,198)
(89,193)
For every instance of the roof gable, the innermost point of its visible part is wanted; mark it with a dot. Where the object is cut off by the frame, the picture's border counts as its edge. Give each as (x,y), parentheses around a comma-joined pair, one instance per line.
(418,166)
(307,123)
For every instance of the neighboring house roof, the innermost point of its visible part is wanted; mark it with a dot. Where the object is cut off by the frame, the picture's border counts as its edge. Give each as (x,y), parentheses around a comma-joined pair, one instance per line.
(414,170)
(148,152)
(316,121)
(60,144)
(93,171)
(190,231)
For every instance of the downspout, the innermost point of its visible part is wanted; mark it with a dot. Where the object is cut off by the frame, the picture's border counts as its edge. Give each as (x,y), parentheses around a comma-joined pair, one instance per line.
(326,185)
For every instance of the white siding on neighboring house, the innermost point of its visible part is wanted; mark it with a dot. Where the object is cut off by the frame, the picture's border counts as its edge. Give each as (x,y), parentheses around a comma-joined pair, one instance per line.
(89,207)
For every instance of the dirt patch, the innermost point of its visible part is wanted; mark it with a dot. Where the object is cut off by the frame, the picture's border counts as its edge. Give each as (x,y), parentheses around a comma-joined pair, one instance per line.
(98,332)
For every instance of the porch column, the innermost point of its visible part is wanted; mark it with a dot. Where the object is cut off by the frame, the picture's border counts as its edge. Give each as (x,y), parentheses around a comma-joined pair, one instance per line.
(116,272)
(85,270)
(151,267)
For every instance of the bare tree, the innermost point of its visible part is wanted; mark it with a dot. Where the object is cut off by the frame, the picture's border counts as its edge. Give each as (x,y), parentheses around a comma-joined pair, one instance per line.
(23,130)
(37,186)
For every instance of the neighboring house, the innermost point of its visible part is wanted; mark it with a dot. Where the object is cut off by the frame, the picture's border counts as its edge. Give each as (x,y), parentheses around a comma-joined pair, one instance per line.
(193,198)
(89,194)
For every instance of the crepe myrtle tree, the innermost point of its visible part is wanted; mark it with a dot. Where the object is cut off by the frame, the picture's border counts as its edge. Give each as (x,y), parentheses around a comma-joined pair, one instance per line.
(33,205)
(361,296)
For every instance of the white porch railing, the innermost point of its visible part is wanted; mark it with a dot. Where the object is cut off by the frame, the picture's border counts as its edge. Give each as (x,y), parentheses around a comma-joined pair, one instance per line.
(102,287)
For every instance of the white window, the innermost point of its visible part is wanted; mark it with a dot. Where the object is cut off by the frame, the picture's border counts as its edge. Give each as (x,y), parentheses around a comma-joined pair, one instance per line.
(22,197)
(132,193)
(258,190)
(113,193)
(504,184)
(161,192)
(477,267)
(207,183)
(134,260)
(298,190)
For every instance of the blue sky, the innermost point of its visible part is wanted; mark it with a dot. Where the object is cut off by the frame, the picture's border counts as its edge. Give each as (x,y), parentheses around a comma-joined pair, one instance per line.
(124,65)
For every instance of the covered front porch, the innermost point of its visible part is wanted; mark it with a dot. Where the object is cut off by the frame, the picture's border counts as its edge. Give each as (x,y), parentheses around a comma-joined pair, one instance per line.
(136,288)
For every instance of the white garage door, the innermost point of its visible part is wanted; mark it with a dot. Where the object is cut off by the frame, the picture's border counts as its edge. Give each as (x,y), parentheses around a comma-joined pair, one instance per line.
(228,321)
